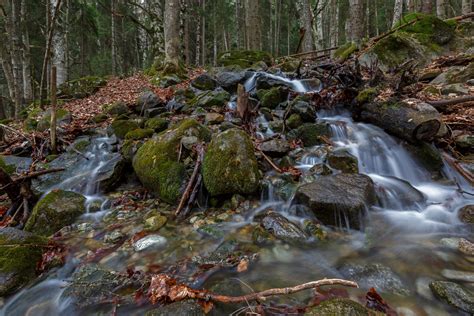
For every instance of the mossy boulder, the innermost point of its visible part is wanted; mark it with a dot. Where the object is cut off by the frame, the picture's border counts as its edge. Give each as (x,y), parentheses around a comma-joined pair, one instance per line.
(81,88)
(310,133)
(121,127)
(54,211)
(243,58)
(129,149)
(62,117)
(424,39)
(345,51)
(157,124)
(343,160)
(454,295)
(230,165)
(366,95)
(340,307)
(271,98)
(99,118)
(6,167)
(139,133)
(19,253)
(117,108)
(204,82)
(428,28)
(294,121)
(210,98)
(156,162)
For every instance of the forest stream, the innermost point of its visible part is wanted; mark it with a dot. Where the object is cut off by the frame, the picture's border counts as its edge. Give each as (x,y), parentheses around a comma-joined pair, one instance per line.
(403,238)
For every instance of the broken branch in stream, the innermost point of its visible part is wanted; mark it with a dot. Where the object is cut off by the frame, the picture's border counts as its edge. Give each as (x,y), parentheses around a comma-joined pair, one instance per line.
(164,288)
(456,165)
(190,188)
(270,161)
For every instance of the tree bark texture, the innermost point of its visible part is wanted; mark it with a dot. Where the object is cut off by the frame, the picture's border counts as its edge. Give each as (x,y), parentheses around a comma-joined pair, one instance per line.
(356,20)
(397,12)
(172,42)
(253,27)
(306,24)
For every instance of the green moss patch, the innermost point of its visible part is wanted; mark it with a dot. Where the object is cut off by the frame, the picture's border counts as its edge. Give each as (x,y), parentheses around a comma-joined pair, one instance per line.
(243,58)
(122,127)
(139,133)
(156,162)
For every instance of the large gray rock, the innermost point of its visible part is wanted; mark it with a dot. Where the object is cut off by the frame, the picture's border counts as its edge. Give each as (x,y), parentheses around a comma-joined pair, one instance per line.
(19,253)
(275,147)
(454,295)
(105,178)
(230,79)
(204,82)
(147,100)
(338,200)
(376,275)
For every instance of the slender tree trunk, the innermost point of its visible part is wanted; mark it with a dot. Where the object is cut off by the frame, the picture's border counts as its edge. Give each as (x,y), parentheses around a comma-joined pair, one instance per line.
(17,53)
(466,6)
(53,109)
(27,85)
(198,36)
(334,23)
(203,37)
(427,6)
(441,9)
(397,12)
(187,44)
(253,27)
(306,24)
(172,42)
(59,47)
(214,31)
(376,16)
(356,20)
(113,28)
(411,5)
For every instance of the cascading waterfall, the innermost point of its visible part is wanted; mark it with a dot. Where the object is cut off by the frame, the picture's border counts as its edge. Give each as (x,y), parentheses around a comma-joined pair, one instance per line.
(412,211)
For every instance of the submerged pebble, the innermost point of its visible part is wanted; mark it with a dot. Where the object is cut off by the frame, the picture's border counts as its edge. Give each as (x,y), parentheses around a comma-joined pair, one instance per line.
(149,242)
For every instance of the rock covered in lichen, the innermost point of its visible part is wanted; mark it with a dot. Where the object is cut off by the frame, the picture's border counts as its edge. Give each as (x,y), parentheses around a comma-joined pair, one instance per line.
(156,162)
(230,165)
(54,211)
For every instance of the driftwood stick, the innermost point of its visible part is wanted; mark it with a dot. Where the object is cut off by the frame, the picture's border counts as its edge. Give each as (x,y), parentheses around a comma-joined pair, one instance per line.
(14,131)
(313,52)
(463,17)
(270,161)
(260,296)
(190,186)
(36,174)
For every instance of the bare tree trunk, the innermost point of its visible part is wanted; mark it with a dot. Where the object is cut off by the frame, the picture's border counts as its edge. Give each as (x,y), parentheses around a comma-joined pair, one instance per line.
(441,8)
(17,53)
(203,37)
(410,5)
(27,86)
(113,8)
(214,31)
(172,43)
(53,109)
(356,20)
(5,56)
(306,24)
(466,6)
(187,44)
(427,6)
(198,37)
(397,12)
(59,47)
(334,23)
(376,16)
(253,27)
(278,5)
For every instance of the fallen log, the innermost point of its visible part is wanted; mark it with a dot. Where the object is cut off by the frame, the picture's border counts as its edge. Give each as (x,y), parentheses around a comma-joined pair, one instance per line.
(410,119)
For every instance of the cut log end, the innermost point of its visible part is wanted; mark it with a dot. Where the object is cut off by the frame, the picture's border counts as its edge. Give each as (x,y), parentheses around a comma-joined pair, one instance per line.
(427,130)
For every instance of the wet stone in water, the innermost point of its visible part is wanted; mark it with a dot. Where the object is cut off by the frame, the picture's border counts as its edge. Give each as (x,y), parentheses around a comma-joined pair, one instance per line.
(454,295)
(149,242)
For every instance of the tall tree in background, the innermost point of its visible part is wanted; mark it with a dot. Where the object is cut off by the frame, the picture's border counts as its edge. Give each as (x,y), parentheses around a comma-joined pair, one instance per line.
(306,24)
(427,6)
(397,12)
(58,45)
(253,27)
(466,6)
(356,20)
(441,9)
(171,28)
